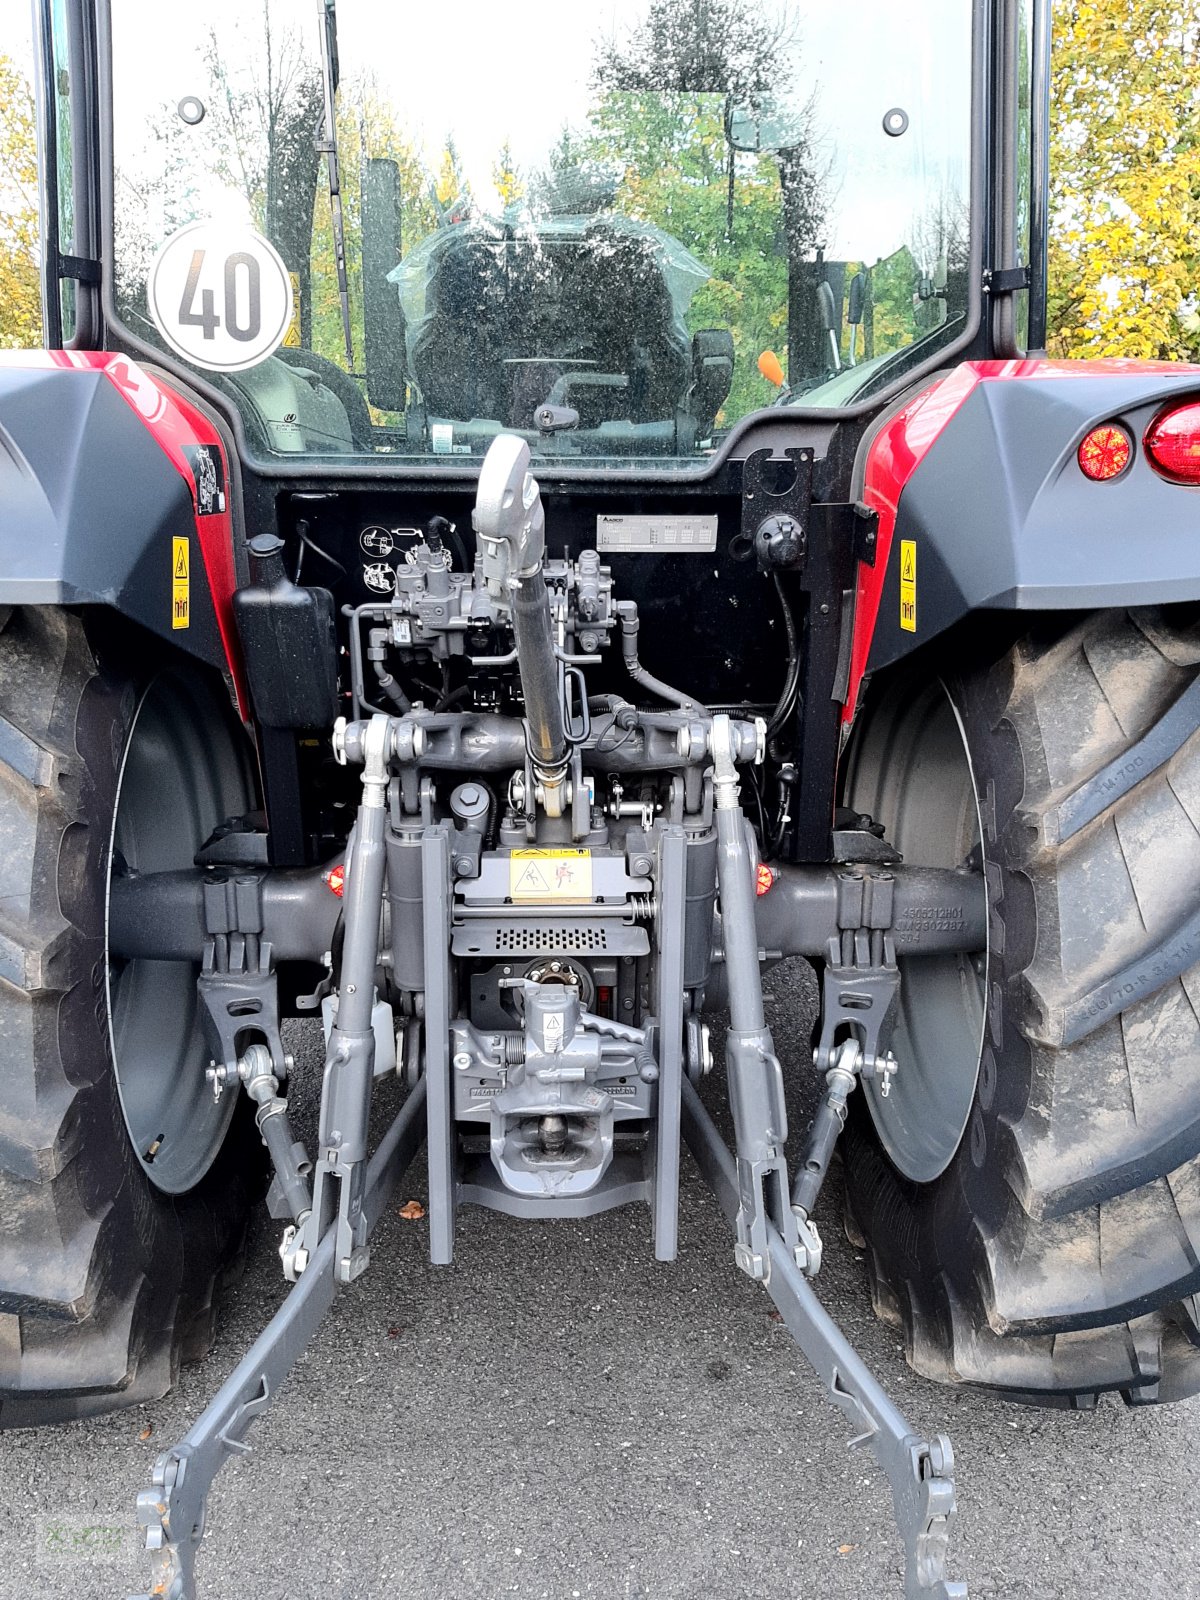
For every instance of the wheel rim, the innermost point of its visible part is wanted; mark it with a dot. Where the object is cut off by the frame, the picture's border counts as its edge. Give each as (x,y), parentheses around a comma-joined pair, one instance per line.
(182,773)
(910,769)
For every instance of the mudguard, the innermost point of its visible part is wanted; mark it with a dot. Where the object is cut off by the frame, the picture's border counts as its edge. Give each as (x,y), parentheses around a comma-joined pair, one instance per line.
(115,492)
(982,504)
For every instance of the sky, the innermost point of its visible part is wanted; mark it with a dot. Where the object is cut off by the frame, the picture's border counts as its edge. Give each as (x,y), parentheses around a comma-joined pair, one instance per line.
(16,31)
(486,71)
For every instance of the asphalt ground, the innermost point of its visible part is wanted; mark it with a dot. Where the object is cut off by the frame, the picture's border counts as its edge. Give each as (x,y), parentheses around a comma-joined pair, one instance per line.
(557,1416)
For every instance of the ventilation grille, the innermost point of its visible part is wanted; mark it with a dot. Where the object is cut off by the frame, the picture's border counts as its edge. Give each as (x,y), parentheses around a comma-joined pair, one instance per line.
(565,936)
(541,938)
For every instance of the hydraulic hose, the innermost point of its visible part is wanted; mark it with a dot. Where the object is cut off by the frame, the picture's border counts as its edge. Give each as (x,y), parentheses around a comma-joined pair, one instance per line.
(646,680)
(792,681)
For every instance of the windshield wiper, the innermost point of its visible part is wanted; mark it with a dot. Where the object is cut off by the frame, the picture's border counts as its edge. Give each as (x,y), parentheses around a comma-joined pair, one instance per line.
(326,145)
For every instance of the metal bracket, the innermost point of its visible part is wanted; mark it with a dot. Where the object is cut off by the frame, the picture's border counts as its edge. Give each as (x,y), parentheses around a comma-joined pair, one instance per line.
(764,508)
(920,1471)
(238,998)
(861,983)
(1007,280)
(82,268)
(237,985)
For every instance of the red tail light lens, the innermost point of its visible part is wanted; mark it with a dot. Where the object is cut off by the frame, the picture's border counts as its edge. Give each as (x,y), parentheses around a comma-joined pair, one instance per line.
(1173,443)
(1105,453)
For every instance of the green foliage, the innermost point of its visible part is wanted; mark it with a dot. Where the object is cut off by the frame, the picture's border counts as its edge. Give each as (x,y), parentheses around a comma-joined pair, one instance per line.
(673,158)
(1125,161)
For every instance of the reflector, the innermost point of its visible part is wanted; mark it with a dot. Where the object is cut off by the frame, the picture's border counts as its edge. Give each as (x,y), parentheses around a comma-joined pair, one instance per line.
(1173,443)
(1105,452)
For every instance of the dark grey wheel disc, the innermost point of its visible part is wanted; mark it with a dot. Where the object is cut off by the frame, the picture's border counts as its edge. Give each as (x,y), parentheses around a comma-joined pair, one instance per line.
(910,769)
(183,772)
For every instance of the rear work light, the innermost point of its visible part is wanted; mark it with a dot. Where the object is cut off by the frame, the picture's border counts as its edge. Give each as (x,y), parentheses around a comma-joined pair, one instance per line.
(1173,443)
(1105,453)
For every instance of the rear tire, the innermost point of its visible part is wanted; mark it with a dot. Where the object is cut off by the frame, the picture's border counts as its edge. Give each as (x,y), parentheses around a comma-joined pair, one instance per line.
(107,1281)
(1057,1256)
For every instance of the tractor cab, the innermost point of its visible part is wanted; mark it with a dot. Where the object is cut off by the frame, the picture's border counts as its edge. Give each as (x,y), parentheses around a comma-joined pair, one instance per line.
(595,254)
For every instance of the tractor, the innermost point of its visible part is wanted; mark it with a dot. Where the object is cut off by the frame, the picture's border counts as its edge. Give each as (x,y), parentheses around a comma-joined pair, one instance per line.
(489,572)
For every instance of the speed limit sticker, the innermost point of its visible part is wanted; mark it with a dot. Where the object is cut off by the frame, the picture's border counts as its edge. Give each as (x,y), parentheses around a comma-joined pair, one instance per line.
(220,296)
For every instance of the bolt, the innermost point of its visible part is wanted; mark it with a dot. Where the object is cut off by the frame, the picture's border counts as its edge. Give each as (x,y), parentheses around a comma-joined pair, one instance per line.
(824,609)
(641,865)
(462,1061)
(507,971)
(626,1005)
(351,988)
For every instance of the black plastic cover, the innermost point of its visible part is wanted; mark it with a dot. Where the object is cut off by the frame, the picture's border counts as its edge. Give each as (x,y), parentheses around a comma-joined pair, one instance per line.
(288,641)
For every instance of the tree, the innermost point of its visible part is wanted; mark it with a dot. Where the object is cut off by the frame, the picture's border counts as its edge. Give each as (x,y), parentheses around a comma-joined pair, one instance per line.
(20,283)
(1125,166)
(262,94)
(367,128)
(267,102)
(668,89)
(696,46)
(509,184)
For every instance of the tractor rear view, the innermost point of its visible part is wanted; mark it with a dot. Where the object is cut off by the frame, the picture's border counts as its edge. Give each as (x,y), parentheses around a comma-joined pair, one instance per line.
(495,596)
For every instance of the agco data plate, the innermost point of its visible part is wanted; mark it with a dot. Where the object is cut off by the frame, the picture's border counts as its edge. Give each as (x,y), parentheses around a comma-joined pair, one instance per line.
(635,535)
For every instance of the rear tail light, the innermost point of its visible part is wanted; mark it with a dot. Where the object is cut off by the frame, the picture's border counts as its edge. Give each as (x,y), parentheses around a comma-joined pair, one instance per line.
(1105,453)
(1173,443)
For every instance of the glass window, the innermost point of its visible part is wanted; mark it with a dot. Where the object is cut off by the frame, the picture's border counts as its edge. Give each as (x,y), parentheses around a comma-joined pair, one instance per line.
(60,110)
(647,218)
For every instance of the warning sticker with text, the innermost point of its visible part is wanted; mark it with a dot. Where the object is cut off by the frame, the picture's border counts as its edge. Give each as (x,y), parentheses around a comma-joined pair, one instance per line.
(291,338)
(181,588)
(908,585)
(550,875)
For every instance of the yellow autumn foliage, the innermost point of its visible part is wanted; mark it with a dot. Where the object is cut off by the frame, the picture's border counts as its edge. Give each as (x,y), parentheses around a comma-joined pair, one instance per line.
(1125,165)
(20,289)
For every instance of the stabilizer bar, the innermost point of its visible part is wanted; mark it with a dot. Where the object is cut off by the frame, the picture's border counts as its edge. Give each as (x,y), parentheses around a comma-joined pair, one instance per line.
(920,1471)
(173,1511)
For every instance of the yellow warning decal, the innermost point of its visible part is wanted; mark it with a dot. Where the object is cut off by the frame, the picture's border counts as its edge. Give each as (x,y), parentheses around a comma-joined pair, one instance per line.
(908,585)
(291,338)
(550,875)
(181,588)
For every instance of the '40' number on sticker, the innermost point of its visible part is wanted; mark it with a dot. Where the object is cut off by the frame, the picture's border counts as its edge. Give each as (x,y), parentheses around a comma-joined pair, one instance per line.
(241,268)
